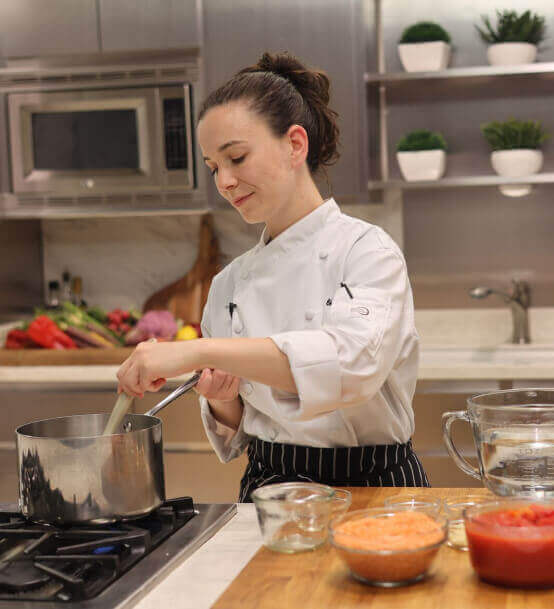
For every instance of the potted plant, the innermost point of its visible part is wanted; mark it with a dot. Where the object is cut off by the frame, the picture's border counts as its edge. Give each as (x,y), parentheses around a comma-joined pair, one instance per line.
(421,155)
(515,39)
(515,146)
(424,46)
(515,151)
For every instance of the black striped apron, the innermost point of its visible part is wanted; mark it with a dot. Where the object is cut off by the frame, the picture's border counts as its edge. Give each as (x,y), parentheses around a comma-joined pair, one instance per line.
(381,465)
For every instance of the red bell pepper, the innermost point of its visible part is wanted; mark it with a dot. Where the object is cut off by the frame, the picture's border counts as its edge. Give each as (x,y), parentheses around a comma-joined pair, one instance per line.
(19,339)
(46,333)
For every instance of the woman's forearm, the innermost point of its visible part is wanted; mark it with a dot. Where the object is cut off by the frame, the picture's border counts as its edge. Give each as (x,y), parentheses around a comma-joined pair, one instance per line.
(256,359)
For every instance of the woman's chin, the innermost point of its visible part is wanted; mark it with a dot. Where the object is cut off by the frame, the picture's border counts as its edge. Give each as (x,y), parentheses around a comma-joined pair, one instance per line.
(250,216)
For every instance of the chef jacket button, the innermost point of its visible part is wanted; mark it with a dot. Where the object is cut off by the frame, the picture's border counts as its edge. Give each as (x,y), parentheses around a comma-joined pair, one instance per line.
(245,275)
(272,434)
(323,255)
(309,315)
(247,388)
(237,327)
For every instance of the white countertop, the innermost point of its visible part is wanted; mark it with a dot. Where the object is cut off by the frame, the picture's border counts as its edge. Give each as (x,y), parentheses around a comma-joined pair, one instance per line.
(198,581)
(456,344)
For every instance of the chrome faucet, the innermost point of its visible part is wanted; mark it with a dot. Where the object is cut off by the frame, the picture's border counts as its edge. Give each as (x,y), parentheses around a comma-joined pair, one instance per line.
(519,301)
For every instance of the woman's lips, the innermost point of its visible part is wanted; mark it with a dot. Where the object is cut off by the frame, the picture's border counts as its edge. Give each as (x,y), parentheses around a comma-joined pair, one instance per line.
(239,202)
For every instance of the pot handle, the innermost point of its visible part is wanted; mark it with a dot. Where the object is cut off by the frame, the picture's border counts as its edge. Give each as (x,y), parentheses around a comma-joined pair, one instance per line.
(447,419)
(174,395)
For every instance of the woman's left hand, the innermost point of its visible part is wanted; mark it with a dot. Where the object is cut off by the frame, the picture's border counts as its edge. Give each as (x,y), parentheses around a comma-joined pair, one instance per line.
(151,363)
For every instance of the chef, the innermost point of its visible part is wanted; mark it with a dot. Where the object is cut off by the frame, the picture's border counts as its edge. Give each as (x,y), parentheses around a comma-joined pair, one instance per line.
(309,353)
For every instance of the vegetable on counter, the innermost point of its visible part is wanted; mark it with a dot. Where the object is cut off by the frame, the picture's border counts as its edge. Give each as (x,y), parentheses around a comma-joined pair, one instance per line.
(153,324)
(188,332)
(19,339)
(46,333)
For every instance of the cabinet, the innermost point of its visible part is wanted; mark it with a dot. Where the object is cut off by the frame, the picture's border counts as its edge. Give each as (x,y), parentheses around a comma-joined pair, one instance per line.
(28,28)
(325,34)
(33,27)
(148,24)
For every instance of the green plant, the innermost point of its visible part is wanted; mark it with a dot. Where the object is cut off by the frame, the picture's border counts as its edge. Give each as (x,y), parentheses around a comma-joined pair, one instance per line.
(424,31)
(514,134)
(421,139)
(511,27)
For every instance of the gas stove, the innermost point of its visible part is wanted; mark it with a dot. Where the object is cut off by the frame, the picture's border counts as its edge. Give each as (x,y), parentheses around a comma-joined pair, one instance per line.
(106,566)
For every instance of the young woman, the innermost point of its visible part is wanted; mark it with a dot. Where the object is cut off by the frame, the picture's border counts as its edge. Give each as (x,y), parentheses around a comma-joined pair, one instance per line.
(309,357)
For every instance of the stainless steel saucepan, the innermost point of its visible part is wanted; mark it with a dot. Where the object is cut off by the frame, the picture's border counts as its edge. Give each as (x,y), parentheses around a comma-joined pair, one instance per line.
(69,472)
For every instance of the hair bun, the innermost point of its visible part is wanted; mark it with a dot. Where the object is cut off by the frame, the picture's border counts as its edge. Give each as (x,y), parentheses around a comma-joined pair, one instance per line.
(287,66)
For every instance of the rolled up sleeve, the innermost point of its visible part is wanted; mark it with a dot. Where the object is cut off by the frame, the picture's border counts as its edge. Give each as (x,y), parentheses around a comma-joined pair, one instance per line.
(226,442)
(348,359)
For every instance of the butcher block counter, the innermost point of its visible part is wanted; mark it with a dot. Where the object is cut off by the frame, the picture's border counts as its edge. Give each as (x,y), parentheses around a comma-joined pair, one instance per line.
(318,579)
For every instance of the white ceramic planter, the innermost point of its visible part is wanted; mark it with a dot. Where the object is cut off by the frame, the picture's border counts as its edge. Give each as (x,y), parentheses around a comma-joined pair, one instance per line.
(516,163)
(422,164)
(511,53)
(424,56)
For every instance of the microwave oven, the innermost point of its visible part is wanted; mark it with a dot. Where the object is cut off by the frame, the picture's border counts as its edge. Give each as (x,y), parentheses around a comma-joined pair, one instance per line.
(101,140)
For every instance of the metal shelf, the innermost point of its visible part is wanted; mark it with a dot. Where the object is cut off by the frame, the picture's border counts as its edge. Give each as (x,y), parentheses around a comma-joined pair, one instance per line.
(464,181)
(472,73)
(102,206)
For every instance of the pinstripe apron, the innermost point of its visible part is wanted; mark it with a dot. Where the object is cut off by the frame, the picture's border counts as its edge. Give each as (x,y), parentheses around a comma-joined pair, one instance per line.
(381,465)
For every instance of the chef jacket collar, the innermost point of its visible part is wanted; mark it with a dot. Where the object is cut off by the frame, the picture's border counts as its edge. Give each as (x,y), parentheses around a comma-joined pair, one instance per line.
(301,231)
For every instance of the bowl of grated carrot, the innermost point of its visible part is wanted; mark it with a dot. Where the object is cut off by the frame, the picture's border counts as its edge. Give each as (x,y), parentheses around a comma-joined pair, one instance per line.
(389,546)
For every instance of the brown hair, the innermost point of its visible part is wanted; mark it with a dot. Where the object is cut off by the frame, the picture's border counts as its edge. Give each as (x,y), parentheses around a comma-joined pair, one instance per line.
(284,92)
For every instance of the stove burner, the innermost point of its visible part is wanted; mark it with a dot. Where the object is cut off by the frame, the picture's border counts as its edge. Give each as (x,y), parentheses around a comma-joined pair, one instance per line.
(41,562)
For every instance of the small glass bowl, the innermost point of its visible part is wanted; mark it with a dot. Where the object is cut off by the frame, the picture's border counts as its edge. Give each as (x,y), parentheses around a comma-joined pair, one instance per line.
(454,511)
(341,502)
(414,500)
(411,558)
(294,516)
(518,555)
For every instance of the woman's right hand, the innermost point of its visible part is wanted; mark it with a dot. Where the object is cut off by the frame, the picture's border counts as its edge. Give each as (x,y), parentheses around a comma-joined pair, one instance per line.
(218,386)
(222,392)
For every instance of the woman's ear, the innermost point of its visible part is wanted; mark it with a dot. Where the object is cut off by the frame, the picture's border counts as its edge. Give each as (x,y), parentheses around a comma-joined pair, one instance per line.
(298,141)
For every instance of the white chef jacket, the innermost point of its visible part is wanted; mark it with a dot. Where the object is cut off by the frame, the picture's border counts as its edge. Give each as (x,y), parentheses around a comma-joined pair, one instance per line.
(354,360)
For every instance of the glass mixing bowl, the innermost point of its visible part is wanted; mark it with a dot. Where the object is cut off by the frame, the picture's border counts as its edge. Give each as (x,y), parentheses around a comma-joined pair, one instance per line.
(389,546)
(294,516)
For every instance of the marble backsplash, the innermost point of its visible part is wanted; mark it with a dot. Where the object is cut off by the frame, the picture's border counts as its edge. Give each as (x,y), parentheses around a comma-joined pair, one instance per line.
(122,261)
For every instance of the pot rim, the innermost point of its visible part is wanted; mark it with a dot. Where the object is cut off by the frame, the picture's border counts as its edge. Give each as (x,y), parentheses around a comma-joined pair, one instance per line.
(20,434)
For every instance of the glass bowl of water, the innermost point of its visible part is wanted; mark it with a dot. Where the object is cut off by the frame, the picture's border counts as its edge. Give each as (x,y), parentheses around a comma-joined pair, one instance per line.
(293,516)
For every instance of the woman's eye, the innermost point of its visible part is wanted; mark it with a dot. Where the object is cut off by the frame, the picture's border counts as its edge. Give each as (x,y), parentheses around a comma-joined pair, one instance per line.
(238,160)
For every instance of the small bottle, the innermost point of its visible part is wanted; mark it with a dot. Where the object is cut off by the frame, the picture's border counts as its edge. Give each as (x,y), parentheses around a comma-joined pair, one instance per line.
(66,287)
(53,294)
(77,291)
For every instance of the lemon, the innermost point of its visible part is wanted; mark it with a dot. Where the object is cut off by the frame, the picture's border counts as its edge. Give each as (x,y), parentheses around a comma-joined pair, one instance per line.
(186,333)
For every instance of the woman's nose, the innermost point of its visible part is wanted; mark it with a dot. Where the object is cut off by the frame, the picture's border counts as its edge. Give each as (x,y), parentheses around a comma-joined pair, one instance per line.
(226,179)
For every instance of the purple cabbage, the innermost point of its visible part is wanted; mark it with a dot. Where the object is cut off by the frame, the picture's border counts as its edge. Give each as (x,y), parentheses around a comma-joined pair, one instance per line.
(153,324)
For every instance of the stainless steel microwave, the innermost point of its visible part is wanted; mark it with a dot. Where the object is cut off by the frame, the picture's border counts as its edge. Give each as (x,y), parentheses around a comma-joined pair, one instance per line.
(101,141)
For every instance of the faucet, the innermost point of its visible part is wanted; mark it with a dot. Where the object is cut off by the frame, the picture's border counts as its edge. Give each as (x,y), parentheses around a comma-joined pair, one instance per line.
(518,300)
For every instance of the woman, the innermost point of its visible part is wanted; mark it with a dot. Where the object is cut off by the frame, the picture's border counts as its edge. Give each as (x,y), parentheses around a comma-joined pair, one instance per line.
(310,355)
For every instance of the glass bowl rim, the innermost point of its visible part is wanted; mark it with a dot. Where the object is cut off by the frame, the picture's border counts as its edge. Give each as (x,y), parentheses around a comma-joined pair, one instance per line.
(396,500)
(441,520)
(328,490)
(474,400)
(470,512)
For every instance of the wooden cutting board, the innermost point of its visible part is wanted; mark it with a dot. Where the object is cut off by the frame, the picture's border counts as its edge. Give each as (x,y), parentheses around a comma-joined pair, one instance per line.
(186,297)
(64,357)
(319,580)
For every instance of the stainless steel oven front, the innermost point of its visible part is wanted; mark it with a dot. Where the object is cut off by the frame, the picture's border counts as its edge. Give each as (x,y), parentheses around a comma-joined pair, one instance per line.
(101,141)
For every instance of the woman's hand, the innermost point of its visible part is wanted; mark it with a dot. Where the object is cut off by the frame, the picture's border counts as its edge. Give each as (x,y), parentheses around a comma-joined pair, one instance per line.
(217,386)
(151,363)
(222,392)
